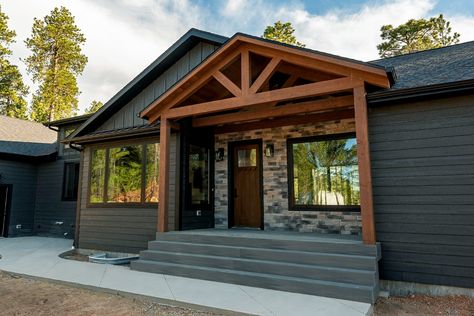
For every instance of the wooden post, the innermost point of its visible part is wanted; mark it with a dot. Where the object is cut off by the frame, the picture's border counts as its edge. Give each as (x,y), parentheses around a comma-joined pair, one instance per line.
(365,174)
(245,71)
(165,131)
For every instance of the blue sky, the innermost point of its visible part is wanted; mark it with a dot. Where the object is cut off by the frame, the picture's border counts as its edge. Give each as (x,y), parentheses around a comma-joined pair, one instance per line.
(124,36)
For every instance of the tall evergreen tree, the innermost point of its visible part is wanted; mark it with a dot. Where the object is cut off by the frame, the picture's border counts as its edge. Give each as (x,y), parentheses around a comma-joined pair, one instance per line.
(56,61)
(282,32)
(12,89)
(416,35)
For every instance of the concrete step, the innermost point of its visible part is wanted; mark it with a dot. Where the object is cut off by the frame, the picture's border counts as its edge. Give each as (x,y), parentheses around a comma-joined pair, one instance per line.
(271,281)
(322,245)
(357,262)
(313,271)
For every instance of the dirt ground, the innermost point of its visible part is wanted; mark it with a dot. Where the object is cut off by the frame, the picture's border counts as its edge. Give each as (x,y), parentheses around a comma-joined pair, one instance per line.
(21,296)
(425,305)
(24,297)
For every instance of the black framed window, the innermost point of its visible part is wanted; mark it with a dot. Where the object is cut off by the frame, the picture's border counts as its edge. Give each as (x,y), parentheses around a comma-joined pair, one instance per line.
(323,173)
(70,181)
(124,175)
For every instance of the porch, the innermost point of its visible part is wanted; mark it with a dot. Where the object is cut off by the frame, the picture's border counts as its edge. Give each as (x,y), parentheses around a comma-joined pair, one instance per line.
(339,266)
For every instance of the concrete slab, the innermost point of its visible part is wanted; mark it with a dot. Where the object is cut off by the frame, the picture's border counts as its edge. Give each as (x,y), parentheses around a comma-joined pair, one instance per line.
(38,256)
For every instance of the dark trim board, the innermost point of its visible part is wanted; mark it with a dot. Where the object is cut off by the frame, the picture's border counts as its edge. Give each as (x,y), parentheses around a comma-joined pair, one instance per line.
(230,186)
(8,207)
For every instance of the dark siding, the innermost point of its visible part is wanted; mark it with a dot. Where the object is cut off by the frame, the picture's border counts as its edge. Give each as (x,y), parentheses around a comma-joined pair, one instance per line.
(50,209)
(128,115)
(423,177)
(22,176)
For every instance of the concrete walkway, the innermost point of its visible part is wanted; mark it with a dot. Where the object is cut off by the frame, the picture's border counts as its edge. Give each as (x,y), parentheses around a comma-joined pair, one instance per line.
(38,256)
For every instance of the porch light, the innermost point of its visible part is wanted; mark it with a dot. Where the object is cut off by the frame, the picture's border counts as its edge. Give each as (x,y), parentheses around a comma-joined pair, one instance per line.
(220,154)
(269,150)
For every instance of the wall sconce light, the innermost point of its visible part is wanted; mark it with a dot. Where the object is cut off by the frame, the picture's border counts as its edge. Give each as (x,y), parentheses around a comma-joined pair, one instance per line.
(220,154)
(269,150)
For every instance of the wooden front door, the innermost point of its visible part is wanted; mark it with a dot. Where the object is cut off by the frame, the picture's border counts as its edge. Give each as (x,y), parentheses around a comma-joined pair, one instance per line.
(247,193)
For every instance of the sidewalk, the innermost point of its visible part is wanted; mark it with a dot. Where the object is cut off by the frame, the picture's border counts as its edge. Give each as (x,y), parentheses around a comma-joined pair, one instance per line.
(38,256)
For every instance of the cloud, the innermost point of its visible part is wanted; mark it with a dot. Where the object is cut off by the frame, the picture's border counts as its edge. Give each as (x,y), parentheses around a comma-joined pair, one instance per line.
(123,37)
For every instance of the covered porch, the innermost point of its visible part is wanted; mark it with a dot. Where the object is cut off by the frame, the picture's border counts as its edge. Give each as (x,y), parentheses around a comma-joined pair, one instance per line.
(250,87)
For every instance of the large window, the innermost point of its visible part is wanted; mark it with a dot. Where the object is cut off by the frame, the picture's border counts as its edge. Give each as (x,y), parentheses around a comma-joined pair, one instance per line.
(70,181)
(323,173)
(128,174)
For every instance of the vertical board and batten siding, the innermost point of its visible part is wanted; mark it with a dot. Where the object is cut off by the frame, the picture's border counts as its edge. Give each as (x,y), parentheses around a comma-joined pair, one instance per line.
(121,229)
(53,216)
(127,116)
(423,183)
(22,176)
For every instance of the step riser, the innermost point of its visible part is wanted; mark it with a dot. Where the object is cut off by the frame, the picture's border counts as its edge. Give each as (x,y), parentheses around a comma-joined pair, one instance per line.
(309,246)
(322,259)
(310,272)
(357,294)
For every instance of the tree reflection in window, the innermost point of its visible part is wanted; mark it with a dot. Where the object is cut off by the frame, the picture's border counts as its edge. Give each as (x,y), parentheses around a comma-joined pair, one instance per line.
(152,172)
(125,174)
(97,176)
(325,172)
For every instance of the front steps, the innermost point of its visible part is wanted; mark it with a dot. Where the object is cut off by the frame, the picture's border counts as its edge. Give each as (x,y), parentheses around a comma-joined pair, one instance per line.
(345,269)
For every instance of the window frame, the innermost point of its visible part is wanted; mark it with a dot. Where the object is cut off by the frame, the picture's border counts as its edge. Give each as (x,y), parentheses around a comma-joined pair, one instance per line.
(76,191)
(290,172)
(107,147)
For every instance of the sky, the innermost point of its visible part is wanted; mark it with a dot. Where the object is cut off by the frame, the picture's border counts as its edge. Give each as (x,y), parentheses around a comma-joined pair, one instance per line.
(123,37)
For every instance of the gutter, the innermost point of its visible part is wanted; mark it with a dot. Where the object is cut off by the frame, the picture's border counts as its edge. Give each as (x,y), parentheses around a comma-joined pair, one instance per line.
(430,91)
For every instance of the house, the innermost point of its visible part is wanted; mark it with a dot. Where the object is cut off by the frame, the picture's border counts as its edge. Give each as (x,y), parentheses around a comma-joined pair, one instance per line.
(250,161)
(38,178)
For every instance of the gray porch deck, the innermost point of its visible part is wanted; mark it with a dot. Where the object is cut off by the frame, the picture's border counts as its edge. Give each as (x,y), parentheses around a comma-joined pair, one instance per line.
(324,265)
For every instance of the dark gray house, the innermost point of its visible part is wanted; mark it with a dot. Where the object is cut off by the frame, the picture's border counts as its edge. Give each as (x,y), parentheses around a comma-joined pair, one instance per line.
(38,178)
(250,161)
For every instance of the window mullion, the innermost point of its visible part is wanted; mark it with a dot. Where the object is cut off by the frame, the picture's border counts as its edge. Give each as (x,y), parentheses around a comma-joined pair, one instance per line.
(106,180)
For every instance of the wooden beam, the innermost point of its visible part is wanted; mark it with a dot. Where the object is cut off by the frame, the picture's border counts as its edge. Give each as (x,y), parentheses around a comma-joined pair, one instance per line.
(284,110)
(184,88)
(265,74)
(227,83)
(308,90)
(286,121)
(290,81)
(245,71)
(365,174)
(371,74)
(165,131)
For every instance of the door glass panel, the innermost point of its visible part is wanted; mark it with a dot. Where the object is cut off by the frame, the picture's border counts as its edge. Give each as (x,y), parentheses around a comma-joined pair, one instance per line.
(199,175)
(247,157)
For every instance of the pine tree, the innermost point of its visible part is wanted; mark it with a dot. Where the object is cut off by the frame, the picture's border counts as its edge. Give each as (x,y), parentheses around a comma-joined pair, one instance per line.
(281,32)
(94,107)
(55,63)
(12,89)
(416,35)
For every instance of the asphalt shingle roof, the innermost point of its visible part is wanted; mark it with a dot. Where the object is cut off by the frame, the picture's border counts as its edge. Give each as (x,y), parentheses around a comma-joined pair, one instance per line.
(26,138)
(434,66)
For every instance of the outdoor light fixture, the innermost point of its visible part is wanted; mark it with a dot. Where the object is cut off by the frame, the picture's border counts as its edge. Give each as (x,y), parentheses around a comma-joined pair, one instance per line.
(220,154)
(269,150)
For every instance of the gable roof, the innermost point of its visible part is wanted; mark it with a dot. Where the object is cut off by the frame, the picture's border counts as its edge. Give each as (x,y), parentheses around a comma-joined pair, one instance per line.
(69,121)
(26,138)
(372,74)
(144,78)
(430,67)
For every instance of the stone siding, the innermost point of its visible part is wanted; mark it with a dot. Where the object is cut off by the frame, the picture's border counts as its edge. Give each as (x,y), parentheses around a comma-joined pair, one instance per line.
(277,215)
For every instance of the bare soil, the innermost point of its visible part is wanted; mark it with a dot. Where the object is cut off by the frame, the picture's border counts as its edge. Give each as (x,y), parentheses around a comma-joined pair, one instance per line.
(24,297)
(425,305)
